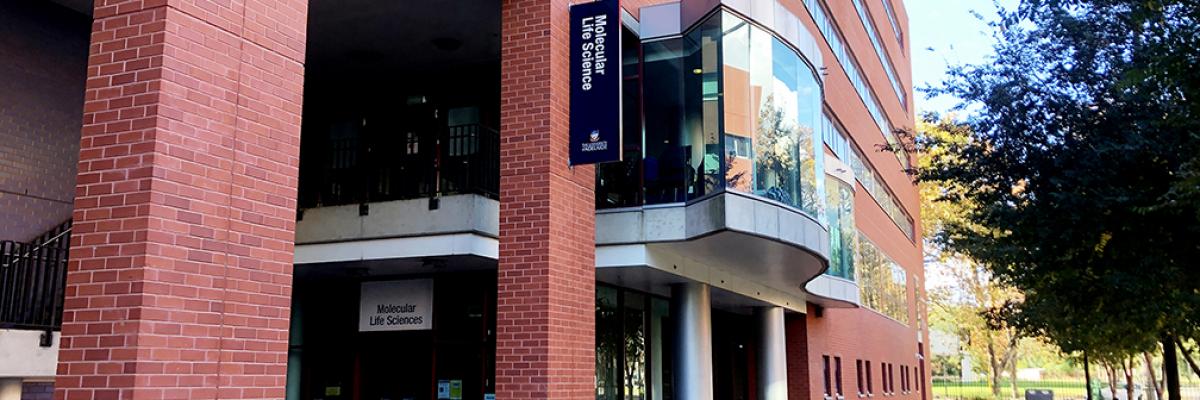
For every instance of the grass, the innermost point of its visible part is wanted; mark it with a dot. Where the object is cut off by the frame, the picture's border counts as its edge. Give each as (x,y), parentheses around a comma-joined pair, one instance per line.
(980,389)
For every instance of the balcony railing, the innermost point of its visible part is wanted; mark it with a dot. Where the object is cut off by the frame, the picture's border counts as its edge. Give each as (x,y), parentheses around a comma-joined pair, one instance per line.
(32,276)
(358,169)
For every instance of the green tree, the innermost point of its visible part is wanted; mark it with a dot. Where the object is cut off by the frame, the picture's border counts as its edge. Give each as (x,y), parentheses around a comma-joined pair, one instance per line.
(1080,173)
(963,305)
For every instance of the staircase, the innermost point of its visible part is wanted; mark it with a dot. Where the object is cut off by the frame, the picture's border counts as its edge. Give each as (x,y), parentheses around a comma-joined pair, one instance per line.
(32,277)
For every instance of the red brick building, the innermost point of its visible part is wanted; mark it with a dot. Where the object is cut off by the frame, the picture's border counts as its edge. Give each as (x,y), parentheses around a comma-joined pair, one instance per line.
(373,200)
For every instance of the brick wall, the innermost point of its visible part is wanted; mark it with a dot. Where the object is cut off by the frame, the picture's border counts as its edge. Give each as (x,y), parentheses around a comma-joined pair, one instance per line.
(546,291)
(44,48)
(859,333)
(179,279)
(796,335)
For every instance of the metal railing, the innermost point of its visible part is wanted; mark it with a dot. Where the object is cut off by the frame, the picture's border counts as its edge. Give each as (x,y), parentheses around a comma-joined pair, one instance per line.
(359,169)
(32,277)
(955,388)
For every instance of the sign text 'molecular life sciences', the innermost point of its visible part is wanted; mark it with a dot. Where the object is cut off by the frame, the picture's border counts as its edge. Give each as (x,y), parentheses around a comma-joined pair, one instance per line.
(396,306)
(595,122)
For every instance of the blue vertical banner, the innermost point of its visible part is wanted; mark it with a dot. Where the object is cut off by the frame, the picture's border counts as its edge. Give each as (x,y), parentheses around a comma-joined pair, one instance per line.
(595,121)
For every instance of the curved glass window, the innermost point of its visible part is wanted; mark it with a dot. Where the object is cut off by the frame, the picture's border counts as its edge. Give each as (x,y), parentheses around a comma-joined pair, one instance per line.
(728,106)
(843,237)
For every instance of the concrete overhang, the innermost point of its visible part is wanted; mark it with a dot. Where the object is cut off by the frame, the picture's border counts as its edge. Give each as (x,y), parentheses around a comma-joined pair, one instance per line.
(833,292)
(739,243)
(461,225)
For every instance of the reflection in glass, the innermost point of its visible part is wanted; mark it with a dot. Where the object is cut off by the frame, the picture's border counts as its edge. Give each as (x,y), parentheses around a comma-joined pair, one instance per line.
(728,106)
(608,343)
(632,346)
(883,283)
(619,184)
(635,346)
(771,109)
(660,359)
(702,84)
(842,236)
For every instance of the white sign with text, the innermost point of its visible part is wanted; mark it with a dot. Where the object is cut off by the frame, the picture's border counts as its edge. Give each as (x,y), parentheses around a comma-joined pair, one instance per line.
(396,306)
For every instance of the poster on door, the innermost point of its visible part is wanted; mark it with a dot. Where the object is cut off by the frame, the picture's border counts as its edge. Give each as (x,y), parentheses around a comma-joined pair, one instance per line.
(396,306)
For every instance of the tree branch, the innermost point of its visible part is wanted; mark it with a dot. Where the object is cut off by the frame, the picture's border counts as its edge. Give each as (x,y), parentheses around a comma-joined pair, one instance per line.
(1187,356)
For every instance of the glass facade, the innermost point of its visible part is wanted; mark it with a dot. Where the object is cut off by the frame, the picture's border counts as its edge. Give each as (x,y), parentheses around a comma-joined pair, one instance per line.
(850,66)
(836,139)
(727,106)
(882,282)
(632,354)
(842,237)
(879,51)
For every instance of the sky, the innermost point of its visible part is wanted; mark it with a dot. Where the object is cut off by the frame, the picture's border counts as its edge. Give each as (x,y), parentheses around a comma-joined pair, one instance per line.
(945,33)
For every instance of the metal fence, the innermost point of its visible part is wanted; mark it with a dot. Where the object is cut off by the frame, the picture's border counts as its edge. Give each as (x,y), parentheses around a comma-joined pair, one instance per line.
(359,168)
(1062,389)
(32,276)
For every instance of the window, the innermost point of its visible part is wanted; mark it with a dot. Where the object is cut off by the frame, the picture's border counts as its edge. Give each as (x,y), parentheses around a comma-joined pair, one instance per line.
(870,381)
(883,282)
(879,51)
(842,52)
(892,378)
(858,369)
(727,106)
(825,375)
(772,100)
(835,137)
(738,146)
(618,184)
(839,205)
(632,353)
(837,376)
(904,378)
(891,14)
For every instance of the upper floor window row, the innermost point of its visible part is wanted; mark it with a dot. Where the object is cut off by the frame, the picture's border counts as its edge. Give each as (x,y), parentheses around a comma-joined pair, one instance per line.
(857,80)
(891,14)
(837,140)
(877,43)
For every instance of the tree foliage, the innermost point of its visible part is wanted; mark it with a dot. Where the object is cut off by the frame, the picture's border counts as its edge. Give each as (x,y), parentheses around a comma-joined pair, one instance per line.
(1080,171)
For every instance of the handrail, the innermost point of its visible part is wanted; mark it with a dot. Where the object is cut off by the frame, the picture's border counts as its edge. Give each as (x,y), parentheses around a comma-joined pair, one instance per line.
(32,280)
(361,168)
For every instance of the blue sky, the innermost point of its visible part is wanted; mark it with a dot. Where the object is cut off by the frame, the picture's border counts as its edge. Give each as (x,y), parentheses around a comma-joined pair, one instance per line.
(954,34)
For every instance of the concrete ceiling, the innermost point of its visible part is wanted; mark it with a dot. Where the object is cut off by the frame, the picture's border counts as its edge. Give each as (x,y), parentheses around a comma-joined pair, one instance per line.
(81,6)
(361,36)
(352,36)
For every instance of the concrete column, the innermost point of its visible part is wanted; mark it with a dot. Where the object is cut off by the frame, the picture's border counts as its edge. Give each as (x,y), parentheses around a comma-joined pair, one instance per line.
(692,313)
(772,354)
(10,388)
(180,271)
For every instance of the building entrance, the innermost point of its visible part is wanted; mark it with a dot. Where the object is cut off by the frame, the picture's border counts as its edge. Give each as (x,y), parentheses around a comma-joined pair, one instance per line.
(364,336)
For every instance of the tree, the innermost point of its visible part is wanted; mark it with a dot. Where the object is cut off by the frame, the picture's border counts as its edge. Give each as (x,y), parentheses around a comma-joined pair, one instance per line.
(973,292)
(1081,173)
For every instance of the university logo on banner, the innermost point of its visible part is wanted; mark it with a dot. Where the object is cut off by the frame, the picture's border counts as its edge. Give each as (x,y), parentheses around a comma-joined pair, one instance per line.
(595,122)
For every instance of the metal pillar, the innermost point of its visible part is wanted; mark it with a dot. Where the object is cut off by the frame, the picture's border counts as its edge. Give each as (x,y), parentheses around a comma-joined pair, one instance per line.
(772,354)
(692,313)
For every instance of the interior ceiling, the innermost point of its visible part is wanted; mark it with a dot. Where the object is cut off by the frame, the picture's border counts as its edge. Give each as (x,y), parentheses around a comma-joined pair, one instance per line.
(82,6)
(392,34)
(398,35)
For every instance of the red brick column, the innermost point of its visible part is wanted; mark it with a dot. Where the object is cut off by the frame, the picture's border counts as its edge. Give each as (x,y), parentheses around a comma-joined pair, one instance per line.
(796,335)
(546,311)
(179,281)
